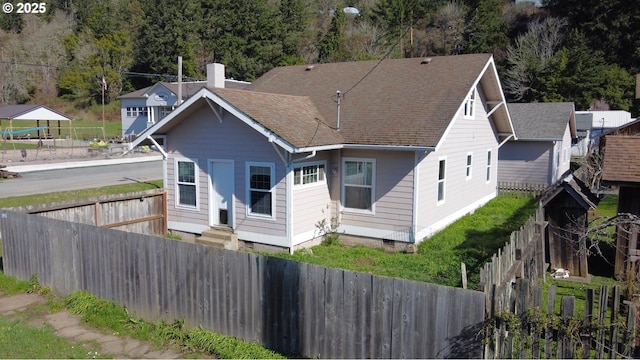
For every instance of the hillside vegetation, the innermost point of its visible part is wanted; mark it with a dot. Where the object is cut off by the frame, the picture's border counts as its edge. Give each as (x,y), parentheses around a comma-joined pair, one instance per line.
(584,51)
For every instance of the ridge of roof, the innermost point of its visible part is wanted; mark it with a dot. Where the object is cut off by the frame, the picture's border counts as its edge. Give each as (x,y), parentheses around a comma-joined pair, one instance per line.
(383,101)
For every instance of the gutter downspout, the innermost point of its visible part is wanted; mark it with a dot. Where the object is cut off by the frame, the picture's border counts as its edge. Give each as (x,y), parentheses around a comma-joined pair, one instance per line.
(310,156)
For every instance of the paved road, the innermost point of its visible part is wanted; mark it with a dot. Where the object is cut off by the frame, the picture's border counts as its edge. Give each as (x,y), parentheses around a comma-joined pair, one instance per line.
(39,182)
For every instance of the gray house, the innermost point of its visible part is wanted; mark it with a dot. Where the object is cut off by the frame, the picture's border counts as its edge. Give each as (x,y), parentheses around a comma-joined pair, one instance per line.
(143,108)
(390,150)
(542,152)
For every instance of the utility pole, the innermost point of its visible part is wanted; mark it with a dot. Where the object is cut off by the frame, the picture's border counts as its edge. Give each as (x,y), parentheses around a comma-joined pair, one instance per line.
(104,87)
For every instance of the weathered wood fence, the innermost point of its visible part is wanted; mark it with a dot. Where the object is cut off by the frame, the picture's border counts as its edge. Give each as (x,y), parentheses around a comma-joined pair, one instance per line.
(522,257)
(527,327)
(517,188)
(536,331)
(143,212)
(286,306)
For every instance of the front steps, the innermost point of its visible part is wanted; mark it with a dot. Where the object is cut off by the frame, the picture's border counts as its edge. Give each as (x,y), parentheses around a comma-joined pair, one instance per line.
(221,238)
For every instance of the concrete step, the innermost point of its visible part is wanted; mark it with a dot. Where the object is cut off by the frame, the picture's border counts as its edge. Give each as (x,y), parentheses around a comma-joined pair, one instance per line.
(221,238)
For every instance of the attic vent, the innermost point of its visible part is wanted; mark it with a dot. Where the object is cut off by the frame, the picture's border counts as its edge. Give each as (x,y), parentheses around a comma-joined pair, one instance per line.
(425,60)
(309,68)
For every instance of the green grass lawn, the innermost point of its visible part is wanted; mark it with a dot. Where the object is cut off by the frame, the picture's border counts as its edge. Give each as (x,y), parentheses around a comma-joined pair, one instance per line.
(19,341)
(472,239)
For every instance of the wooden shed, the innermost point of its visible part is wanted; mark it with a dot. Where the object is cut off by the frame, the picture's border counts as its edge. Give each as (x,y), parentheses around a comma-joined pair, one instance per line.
(621,168)
(566,207)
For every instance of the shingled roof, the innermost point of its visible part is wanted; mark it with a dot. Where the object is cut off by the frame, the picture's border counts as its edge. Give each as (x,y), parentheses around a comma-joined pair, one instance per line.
(621,163)
(31,112)
(293,118)
(542,121)
(393,102)
(399,103)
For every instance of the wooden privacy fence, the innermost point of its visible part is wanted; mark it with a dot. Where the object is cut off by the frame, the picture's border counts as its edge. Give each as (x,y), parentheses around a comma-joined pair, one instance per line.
(535,330)
(517,188)
(290,307)
(522,257)
(143,212)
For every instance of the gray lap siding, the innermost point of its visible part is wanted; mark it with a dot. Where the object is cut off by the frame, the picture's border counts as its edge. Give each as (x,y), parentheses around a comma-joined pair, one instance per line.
(466,136)
(394,186)
(526,162)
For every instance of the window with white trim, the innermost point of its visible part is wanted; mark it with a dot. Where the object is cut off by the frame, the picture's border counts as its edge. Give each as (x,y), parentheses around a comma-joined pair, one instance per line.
(489,165)
(308,174)
(468,166)
(187,188)
(442,169)
(469,103)
(358,184)
(164,111)
(133,111)
(261,188)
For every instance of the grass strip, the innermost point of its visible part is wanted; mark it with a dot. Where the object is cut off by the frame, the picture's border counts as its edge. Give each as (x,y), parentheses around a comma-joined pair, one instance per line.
(45,198)
(107,315)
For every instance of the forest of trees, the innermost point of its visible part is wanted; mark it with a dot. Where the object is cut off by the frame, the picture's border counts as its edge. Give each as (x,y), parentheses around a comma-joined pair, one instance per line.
(584,51)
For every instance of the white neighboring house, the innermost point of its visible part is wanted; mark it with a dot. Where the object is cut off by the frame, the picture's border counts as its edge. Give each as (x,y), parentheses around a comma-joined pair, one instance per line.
(145,107)
(392,151)
(591,124)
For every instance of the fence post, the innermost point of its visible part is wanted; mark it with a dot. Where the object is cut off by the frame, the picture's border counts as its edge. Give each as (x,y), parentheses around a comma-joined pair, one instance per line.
(602,310)
(548,335)
(615,309)
(586,324)
(630,351)
(565,342)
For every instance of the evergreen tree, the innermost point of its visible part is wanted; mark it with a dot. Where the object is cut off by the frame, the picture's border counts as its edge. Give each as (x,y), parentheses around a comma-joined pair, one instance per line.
(579,74)
(487,33)
(398,17)
(332,45)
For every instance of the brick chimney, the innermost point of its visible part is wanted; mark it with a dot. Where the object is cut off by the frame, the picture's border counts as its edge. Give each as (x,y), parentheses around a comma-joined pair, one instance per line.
(215,75)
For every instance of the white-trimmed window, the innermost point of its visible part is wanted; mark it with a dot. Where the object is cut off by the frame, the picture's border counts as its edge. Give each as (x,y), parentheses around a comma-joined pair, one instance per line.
(164,111)
(186,183)
(468,166)
(469,104)
(489,165)
(133,111)
(442,172)
(308,174)
(358,184)
(260,189)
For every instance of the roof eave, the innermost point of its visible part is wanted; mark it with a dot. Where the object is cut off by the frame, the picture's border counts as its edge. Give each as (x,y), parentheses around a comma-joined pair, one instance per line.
(365,147)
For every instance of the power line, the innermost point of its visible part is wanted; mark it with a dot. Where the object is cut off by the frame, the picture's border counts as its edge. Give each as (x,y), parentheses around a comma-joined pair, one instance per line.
(406,30)
(169,77)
